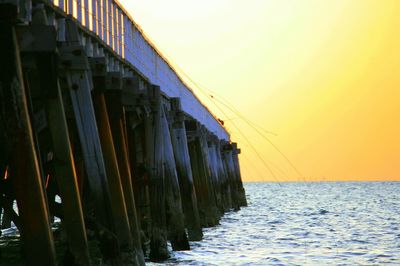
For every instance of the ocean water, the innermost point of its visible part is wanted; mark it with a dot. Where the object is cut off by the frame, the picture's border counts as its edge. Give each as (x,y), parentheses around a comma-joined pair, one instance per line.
(305,224)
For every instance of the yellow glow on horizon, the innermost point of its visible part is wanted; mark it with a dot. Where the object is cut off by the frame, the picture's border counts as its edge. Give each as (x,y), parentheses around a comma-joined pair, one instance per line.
(323,75)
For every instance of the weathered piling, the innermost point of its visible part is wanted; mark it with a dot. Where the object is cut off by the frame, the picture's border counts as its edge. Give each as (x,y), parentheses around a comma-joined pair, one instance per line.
(40,71)
(229,165)
(20,147)
(223,174)
(241,191)
(230,157)
(175,220)
(76,82)
(209,174)
(154,158)
(117,117)
(118,207)
(198,151)
(135,101)
(184,171)
(215,174)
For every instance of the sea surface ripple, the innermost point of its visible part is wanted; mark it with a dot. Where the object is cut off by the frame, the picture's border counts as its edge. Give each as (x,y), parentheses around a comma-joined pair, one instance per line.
(305,224)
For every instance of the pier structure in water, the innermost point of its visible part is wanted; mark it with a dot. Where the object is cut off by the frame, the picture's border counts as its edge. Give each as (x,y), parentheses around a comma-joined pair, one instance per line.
(90,111)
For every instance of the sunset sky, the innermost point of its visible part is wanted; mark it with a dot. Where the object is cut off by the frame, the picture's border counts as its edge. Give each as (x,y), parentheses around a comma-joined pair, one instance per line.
(319,79)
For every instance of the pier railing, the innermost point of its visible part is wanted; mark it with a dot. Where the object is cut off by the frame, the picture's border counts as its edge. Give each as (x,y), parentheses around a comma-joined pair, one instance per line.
(112,24)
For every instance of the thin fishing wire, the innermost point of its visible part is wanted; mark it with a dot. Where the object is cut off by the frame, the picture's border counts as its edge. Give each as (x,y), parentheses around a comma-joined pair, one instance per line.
(210,95)
(263,135)
(278,169)
(252,147)
(237,112)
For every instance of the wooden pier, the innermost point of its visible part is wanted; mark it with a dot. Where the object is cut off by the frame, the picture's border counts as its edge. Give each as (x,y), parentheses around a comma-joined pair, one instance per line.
(92,113)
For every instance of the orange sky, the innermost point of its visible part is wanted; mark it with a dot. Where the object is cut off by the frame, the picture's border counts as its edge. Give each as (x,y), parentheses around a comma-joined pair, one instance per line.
(323,75)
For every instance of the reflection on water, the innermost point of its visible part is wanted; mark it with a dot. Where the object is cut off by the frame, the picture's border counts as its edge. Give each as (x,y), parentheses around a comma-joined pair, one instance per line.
(305,224)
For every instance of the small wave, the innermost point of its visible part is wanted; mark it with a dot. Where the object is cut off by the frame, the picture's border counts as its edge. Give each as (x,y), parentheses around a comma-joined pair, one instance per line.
(322,211)
(359,241)
(276,222)
(285,239)
(317,213)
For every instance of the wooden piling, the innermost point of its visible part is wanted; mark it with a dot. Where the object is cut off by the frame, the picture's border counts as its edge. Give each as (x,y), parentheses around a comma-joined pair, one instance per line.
(67,182)
(35,228)
(231,174)
(225,185)
(154,158)
(116,114)
(40,67)
(215,174)
(175,220)
(209,175)
(136,103)
(140,178)
(184,171)
(76,82)
(201,175)
(118,207)
(241,191)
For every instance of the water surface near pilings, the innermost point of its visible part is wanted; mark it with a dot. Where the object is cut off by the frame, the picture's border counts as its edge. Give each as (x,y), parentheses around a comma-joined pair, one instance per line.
(305,224)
